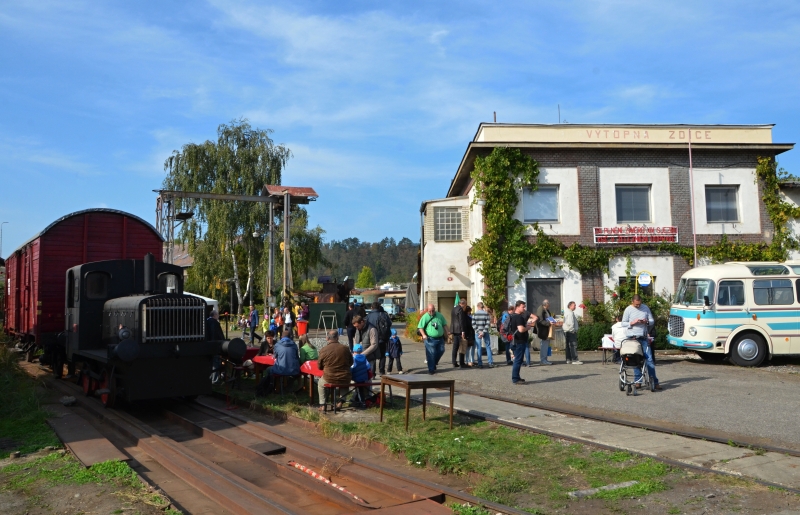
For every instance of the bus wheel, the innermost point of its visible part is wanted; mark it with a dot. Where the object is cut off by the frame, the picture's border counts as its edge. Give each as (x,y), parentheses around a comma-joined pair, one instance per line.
(748,350)
(711,357)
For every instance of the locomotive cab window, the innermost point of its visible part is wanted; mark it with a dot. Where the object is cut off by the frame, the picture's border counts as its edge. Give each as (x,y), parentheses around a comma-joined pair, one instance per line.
(96,285)
(169,283)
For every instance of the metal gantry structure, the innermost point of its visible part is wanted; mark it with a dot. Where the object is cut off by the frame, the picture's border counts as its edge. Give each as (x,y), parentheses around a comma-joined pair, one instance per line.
(167,220)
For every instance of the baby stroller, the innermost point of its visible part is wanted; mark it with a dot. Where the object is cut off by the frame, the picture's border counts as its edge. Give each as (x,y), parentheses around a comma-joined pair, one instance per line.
(632,359)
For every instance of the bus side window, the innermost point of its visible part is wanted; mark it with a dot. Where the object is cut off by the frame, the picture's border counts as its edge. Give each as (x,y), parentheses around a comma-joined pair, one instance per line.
(731,293)
(773,292)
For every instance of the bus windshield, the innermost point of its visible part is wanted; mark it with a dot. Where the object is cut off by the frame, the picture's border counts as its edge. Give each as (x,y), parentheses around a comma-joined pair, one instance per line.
(692,291)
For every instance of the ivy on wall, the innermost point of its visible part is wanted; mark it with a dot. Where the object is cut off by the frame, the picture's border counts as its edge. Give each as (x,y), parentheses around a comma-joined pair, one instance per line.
(504,245)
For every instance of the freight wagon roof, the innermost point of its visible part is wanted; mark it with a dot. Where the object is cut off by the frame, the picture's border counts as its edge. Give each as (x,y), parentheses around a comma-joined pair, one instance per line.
(94,210)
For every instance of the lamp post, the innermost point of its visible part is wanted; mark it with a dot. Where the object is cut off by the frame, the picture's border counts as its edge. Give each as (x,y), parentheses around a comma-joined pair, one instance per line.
(1,238)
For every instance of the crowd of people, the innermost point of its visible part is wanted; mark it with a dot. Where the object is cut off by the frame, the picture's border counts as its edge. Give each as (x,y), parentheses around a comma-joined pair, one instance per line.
(469,333)
(373,346)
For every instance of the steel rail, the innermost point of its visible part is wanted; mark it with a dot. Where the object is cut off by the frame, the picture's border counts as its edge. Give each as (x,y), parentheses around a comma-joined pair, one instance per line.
(450,493)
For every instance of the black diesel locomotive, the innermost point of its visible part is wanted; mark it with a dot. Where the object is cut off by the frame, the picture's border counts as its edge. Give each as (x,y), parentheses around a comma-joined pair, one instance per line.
(132,334)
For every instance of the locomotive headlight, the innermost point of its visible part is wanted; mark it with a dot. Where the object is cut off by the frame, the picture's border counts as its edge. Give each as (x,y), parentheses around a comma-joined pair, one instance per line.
(124,333)
(693,331)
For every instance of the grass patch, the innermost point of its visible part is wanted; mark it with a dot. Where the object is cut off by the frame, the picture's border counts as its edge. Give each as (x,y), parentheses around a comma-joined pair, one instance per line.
(22,419)
(502,464)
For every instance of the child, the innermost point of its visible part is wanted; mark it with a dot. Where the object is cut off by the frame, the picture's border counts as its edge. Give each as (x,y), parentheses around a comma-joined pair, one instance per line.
(360,372)
(394,351)
(307,351)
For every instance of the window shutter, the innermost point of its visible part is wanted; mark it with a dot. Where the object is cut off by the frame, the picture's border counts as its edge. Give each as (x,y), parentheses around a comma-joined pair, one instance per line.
(465,214)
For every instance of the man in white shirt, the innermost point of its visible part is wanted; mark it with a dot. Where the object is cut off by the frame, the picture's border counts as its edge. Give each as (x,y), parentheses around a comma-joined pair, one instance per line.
(571,334)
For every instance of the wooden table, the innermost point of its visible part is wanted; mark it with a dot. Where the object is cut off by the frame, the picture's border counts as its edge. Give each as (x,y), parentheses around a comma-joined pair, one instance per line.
(416,382)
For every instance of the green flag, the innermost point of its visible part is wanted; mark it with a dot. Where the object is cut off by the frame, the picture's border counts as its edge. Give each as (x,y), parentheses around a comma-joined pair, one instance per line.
(457,300)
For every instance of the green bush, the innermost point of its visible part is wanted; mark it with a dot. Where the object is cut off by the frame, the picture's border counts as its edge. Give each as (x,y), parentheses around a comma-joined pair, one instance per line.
(412,321)
(590,336)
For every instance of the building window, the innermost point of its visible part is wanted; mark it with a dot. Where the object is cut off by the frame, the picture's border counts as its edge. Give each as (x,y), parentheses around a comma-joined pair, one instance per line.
(722,204)
(633,204)
(97,285)
(537,290)
(447,223)
(540,205)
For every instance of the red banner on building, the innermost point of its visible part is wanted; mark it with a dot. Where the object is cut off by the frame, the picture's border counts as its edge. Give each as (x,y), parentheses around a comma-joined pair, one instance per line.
(635,234)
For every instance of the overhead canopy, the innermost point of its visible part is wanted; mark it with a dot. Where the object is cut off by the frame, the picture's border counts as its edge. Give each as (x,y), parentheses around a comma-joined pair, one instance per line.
(298,194)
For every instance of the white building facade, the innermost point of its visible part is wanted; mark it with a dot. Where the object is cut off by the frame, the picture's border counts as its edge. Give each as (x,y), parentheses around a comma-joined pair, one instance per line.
(603,186)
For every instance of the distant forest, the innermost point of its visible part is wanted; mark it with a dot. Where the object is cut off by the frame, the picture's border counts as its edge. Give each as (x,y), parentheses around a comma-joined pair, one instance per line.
(390,261)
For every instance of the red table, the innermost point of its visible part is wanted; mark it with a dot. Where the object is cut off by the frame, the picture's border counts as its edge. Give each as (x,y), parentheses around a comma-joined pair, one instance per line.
(260,363)
(311,369)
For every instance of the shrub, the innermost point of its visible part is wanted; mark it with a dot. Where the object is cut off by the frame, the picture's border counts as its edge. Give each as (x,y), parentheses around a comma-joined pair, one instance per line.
(590,336)
(412,321)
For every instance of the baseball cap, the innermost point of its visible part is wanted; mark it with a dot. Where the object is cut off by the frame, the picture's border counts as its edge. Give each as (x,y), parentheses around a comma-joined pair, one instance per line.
(394,332)
(358,348)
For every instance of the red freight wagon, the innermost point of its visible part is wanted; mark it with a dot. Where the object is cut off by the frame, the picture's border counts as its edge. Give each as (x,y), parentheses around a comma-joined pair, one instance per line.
(35,272)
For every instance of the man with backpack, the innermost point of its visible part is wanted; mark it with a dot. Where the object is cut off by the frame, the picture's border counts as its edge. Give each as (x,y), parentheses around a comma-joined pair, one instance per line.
(380,320)
(433,329)
(519,323)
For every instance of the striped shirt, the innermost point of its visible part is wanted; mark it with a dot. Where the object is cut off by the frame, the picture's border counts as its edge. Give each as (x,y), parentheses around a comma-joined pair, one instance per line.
(481,322)
(632,313)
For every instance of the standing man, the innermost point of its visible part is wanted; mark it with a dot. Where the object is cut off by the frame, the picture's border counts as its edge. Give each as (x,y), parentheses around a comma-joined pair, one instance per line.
(348,323)
(458,321)
(519,322)
(638,319)
(571,334)
(367,336)
(381,321)
(433,327)
(543,330)
(481,322)
(253,324)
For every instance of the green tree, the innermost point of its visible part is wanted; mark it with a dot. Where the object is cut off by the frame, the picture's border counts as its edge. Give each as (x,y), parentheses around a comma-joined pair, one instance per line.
(365,278)
(228,239)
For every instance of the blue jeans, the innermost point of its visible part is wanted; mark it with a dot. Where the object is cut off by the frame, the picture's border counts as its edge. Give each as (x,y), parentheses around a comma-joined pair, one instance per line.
(543,346)
(470,356)
(479,345)
(434,350)
(648,356)
(519,353)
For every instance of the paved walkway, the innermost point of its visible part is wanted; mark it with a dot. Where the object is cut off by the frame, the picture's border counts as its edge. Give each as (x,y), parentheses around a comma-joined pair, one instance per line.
(771,467)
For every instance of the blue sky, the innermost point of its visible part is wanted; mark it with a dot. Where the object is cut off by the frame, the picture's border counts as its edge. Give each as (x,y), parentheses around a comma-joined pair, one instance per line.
(377,100)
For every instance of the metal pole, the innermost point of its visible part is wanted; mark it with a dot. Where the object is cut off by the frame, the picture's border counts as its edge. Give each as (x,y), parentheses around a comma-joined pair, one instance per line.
(286,201)
(691,198)
(1,238)
(271,268)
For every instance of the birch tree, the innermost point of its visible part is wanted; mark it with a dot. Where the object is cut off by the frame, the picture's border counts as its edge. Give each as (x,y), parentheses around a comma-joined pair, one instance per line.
(240,162)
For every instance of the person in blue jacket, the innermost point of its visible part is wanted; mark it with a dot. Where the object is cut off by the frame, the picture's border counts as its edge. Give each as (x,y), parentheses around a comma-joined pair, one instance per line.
(360,373)
(394,350)
(287,363)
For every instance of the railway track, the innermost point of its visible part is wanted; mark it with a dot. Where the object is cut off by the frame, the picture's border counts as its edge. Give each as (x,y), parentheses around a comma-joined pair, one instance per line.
(209,460)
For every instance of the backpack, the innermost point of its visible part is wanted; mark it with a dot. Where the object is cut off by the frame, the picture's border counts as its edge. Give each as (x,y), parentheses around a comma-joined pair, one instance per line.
(384,327)
(506,331)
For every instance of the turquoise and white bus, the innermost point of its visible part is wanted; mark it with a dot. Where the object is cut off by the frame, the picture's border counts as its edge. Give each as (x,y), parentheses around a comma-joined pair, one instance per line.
(748,311)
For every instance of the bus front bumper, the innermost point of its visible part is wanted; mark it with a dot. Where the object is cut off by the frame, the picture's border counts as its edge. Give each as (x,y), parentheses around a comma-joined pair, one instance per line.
(688,344)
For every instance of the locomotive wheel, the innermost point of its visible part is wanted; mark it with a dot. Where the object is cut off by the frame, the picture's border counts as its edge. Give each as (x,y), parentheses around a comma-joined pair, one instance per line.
(108,382)
(748,350)
(88,384)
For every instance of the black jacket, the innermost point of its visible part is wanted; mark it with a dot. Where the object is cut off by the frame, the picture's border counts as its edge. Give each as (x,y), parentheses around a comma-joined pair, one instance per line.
(459,321)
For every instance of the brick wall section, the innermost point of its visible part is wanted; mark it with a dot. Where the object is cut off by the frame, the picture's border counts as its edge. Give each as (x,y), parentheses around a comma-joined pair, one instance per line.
(679,267)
